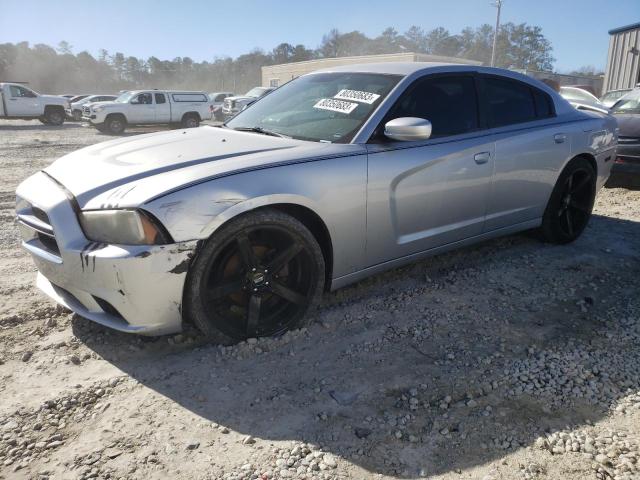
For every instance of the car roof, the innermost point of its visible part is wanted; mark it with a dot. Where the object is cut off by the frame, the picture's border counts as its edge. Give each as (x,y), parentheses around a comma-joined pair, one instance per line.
(394,68)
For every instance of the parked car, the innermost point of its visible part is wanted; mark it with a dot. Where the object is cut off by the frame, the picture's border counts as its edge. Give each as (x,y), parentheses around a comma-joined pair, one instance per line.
(611,97)
(74,111)
(580,98)
(217,101)
(77,98)
(233,105)
(21,103)
(626,169)
(149,107)
(333,177)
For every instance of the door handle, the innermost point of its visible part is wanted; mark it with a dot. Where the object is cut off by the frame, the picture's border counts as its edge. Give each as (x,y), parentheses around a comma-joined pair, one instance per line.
(559,137)
(482,157)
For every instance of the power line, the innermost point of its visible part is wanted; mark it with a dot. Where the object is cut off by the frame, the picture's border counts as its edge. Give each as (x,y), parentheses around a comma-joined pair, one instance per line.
(498,5)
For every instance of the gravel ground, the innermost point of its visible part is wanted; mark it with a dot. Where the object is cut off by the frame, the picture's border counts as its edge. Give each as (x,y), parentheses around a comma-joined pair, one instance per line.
(511,359)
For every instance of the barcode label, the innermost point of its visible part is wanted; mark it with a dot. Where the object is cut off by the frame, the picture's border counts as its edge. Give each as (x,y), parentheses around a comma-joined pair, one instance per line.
(336,105)
(358,96)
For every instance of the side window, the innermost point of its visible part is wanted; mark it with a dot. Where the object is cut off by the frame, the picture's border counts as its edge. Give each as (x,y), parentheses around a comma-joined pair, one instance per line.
(20,92)
(508,102)
(450,103)
(160,98)
(544,105)
(142,99)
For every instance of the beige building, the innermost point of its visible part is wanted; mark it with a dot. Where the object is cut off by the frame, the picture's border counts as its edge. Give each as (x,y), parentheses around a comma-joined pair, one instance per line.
(276,75)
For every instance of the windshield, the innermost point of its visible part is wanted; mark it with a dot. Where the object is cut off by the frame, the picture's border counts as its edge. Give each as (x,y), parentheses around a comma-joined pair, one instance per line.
(124,98)
(319,107)
(630,103)
(256,92)
(613,95)
(577,94)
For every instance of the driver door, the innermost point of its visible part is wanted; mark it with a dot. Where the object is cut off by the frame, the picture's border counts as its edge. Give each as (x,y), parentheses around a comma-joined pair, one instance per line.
(429,193)
(142,109)
(22,102)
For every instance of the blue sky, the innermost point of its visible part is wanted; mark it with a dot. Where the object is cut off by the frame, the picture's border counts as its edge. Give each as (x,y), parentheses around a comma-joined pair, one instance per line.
(204,30)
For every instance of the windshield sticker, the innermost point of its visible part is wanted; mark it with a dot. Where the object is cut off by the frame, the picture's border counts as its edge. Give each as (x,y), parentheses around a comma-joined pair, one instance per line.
(336,105)
(357,95)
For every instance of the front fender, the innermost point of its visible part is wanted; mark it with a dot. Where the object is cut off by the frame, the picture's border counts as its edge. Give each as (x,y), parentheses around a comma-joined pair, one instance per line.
(334,189)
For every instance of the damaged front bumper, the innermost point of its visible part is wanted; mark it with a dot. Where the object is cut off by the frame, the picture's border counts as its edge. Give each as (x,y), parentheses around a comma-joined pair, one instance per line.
(131,288)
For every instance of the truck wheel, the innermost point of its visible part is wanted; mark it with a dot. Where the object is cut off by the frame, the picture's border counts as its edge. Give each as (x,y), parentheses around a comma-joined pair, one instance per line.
(190,121)
(77,115)
(115,124)
(55,116)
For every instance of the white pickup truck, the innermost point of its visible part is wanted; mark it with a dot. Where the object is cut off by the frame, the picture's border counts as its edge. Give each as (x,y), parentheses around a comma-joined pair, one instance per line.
(21,103)
(149,107)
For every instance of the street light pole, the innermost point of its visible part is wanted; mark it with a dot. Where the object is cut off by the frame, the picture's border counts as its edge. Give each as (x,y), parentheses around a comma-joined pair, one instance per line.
(498,5)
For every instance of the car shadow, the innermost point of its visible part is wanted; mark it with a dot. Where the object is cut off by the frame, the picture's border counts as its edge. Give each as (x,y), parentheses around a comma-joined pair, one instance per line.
(369,379)
(38,126)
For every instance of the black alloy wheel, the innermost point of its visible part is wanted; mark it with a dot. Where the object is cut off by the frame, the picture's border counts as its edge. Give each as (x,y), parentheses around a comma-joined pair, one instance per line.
(571,203)
(258,278)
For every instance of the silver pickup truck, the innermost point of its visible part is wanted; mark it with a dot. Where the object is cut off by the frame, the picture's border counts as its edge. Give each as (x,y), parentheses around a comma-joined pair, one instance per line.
(149,107)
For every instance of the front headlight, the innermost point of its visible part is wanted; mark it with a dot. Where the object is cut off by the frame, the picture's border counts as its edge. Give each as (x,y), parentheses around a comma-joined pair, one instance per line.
(125,227)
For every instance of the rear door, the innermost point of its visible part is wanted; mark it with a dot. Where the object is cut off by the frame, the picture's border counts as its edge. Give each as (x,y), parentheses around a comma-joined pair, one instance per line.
(142,110)
(424,194)
(163,108)
(530,148)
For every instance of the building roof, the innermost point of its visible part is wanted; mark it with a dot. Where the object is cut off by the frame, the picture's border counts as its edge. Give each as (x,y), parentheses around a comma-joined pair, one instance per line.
(396,68)
(626,28)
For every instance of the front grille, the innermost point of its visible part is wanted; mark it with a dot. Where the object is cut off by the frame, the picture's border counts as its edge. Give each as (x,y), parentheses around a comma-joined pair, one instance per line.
(37,222)
(108,308)
(628,140)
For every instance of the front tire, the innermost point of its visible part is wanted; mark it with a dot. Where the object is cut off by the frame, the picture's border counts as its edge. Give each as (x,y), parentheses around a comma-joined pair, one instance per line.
(115,124)
(571,202)
(55,116)
(260,275)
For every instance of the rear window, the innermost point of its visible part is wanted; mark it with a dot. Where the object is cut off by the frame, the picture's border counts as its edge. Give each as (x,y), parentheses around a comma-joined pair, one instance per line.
(544,107)
(509,102)
(189,97)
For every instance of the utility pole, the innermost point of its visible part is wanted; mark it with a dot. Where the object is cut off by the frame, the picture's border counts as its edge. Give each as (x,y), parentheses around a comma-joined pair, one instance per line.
(498,5)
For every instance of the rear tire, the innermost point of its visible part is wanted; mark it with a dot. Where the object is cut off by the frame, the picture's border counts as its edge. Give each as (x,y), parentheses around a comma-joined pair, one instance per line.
(571,202)
(115,124)
(259,275)
(55,116)
(190,121)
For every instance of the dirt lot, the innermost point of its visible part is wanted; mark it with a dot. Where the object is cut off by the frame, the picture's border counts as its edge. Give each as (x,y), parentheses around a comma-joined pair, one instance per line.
(508,360)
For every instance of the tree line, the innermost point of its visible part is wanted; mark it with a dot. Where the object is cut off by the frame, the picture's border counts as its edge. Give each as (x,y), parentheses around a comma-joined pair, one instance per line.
(59,70)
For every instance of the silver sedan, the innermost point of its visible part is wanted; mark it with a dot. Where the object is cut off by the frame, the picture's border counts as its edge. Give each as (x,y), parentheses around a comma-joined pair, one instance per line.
(335,176)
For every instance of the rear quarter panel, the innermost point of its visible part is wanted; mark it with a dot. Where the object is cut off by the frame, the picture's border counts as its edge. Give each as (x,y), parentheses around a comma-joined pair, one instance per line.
(596,135)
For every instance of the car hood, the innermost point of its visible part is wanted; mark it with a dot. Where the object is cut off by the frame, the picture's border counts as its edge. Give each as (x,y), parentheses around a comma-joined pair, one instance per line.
(54,99)
(241,98)
(629,124)
(128,172)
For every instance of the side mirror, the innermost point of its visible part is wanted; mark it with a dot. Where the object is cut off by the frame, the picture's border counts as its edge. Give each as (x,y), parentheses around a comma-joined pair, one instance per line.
(408,129)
